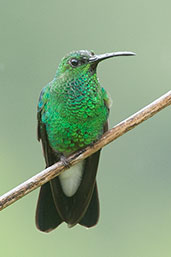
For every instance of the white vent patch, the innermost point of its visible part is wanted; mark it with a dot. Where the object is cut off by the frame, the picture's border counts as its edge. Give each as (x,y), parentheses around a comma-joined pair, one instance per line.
(71,179)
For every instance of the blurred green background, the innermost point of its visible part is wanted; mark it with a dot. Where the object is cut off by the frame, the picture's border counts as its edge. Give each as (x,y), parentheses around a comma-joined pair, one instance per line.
(134,174)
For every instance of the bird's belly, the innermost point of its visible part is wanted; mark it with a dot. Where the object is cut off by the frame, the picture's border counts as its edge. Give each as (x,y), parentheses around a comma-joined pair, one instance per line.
(69,132)
(67,138)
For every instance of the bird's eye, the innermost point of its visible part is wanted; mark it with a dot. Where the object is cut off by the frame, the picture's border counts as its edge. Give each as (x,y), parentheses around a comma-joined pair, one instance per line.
(74,62)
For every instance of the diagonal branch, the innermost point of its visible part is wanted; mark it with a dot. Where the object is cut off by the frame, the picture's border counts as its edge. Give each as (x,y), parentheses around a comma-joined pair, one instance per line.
(111,135)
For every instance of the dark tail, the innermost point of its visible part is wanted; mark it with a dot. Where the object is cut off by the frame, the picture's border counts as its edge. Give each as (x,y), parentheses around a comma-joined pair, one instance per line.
(47,217)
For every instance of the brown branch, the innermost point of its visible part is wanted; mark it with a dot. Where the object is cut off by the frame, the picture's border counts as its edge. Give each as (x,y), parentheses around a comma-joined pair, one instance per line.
(56,169)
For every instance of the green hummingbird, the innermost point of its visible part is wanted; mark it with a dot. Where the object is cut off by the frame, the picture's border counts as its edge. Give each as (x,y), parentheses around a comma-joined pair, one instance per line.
(72,113)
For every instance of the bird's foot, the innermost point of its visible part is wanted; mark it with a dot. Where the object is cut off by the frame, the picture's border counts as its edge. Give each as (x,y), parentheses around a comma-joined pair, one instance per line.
(92,143)
(65,161)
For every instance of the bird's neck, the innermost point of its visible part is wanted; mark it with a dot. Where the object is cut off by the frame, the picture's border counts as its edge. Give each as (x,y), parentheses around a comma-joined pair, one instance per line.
(76,87)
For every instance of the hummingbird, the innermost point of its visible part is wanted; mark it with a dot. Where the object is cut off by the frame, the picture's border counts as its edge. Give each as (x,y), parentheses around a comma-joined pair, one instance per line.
(72,113)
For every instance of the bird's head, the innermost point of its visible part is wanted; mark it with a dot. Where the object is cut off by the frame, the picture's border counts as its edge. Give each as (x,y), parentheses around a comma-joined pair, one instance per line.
(81,61)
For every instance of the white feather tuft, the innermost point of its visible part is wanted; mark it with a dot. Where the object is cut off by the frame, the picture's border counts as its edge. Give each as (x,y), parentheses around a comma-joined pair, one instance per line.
(71,179)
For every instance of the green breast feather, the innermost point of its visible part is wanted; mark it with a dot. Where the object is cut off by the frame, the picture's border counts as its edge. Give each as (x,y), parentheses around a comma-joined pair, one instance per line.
(74,113)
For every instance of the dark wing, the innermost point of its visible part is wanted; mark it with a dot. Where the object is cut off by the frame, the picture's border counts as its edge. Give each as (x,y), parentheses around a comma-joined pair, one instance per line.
(91,216)
(47,217)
